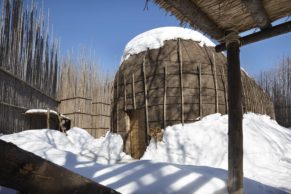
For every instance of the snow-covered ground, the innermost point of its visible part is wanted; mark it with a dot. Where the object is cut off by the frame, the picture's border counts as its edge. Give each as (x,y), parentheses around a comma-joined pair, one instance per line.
(190,159)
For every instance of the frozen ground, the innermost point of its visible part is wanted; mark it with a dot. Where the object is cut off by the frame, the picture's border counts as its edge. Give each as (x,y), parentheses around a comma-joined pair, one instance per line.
(190,159)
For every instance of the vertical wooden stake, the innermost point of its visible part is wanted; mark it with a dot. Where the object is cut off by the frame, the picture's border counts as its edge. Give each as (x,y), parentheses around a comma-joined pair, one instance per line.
(48,118)
(145,97)
(124,86)
(165,96)
(215,83)
(200,97)
(181,79)
(133,93)
(235,132)
(225,91)
(117,95)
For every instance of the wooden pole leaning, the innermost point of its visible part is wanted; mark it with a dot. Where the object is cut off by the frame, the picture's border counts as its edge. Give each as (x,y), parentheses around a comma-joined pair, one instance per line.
(235,132)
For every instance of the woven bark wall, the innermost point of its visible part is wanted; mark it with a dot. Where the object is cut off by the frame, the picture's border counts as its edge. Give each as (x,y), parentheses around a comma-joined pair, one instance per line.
(183,83)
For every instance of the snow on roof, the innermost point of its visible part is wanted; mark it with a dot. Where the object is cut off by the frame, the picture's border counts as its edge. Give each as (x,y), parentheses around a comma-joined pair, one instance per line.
(155,38)
(44,111)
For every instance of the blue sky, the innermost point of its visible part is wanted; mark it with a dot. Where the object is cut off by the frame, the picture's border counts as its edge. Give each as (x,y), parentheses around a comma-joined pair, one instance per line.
(106,27)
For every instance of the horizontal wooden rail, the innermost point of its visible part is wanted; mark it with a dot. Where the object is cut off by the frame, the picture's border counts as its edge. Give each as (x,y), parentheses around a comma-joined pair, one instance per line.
(261,35)
(13,106)
(73,98)
(27,84)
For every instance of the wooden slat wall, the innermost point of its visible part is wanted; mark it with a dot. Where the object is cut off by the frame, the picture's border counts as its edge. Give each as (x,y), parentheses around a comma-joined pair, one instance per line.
(16,97)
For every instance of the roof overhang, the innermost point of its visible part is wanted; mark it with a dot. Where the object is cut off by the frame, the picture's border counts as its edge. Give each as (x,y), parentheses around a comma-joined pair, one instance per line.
(216,17)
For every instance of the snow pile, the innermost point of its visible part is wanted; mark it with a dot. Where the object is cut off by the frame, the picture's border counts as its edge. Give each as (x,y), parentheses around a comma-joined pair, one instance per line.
(267,157)
(30,111)
(77,146)
(106,150)
(267,147)
(155,38)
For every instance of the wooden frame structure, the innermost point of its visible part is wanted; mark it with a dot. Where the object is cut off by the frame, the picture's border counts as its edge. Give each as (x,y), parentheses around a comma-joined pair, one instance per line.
(223,21)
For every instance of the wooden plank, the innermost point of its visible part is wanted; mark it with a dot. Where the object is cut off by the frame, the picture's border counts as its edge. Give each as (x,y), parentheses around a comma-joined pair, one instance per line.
(145,97)
(181,79)
(235,132)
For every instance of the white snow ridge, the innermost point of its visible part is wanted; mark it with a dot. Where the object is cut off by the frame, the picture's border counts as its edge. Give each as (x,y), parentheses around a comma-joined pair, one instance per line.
(155,38)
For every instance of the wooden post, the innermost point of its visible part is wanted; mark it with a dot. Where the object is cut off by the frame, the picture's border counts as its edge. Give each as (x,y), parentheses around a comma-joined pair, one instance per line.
(200,97)
(181,79)
(235,133)
(133,93)
(165,96)
(48,119)
(145,98)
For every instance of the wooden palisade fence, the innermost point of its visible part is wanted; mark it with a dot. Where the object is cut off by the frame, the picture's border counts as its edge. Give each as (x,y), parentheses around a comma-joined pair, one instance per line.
(85,95)
(28,65)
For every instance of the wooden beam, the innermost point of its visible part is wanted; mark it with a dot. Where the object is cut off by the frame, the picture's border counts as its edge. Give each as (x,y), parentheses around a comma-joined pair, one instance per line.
(235,133)
(262,35)
(196,17)
(258,13)
(28,173)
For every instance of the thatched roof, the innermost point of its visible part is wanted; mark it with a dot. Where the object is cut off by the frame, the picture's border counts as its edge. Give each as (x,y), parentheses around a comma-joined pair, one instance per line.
(215,17)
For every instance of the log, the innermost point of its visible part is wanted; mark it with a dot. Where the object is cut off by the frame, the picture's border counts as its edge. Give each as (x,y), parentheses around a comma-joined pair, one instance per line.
(235,133)
(28,173)
(261,35)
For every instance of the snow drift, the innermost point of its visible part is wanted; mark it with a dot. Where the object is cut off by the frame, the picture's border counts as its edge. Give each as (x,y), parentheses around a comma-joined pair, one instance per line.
(267,147)
(190,159)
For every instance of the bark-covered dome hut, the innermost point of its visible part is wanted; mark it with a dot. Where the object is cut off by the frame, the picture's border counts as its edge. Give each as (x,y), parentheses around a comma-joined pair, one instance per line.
(173,75)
